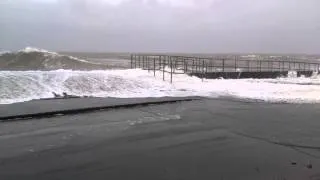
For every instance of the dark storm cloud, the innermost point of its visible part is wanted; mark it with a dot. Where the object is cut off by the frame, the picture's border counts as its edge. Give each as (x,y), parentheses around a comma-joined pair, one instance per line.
(162,25)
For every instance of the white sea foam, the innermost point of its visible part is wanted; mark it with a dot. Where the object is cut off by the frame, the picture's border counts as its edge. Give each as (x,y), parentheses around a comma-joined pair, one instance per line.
(53,54)
(33,49)
(4,52)
(17,86)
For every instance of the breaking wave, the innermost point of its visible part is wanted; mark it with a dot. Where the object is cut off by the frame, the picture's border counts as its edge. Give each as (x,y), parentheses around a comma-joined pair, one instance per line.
(17,86)
(39,59)
(34,74)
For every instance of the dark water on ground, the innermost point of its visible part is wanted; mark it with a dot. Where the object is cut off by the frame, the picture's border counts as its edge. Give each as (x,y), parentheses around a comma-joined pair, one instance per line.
(208,139)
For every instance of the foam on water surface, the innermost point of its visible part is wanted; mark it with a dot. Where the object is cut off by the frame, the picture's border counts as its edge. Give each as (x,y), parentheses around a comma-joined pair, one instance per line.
(33,49)
(17,86)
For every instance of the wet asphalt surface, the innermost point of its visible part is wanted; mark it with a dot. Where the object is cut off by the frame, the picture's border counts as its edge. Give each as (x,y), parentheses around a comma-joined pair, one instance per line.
(203,139)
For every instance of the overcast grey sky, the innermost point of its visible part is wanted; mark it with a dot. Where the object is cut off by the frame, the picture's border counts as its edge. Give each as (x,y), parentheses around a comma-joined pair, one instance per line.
(280,26)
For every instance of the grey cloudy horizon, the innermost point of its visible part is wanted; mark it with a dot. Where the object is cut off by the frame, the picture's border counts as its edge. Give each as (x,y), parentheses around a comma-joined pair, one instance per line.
(195,26)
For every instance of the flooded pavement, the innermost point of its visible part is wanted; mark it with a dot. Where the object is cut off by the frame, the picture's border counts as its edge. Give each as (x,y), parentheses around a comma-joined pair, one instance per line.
(207,139)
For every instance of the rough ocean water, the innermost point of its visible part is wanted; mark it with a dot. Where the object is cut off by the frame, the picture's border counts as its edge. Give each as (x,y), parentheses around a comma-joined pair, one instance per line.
(34,73)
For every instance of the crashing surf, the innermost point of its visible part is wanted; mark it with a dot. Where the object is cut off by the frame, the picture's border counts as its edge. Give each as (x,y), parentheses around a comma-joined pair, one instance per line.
(39,59)
(35,73)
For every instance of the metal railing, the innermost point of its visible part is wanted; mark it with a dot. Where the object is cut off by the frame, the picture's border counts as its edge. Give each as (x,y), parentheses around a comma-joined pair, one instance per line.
(190,65)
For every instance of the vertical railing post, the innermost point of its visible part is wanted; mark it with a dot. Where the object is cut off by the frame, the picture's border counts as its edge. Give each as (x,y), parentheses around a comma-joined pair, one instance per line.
(289,66)
(313,67)
(235,63)
(139,62)
(147,62)
(154,66)
(294,65)
(309,66)
(131,61)
(142,61)
(192,65)
(212,66)
(206,67)
(197,65)
(260,62)
(299,66)
(223,65)
(176,60)
(163,65)
(171,69)
(202,69)
(186,63)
